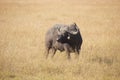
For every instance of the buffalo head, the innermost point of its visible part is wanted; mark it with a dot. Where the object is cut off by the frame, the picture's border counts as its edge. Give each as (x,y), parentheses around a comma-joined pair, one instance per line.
(65,33)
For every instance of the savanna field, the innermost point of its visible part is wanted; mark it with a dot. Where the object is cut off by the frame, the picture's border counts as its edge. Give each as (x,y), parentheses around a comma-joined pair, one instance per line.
(23,25)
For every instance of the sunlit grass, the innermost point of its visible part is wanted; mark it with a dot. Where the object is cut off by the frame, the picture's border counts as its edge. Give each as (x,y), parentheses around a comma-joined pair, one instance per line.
(22,31)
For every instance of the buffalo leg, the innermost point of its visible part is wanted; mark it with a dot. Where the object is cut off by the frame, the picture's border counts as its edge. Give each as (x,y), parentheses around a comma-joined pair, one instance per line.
(66,47)
(77,53)
(47,52)
(53,51)
(68,53)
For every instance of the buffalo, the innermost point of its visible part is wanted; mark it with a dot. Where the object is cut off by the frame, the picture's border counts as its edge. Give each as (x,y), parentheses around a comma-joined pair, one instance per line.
(63,38)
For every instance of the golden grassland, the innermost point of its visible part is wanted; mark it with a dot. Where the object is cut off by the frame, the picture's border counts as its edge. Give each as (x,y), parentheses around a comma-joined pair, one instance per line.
(22,30)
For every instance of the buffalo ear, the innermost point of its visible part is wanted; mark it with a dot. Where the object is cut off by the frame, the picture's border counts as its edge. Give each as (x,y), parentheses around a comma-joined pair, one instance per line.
(74,24)
(73,29)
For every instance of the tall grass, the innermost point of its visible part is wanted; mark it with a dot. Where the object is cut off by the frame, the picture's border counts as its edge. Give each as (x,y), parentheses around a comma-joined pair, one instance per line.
(22,31)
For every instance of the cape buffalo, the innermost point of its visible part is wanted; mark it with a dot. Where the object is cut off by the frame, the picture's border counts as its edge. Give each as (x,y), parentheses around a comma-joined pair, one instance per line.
(63,38)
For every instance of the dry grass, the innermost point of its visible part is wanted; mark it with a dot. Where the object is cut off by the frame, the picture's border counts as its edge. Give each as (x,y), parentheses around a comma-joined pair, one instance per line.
(23,26)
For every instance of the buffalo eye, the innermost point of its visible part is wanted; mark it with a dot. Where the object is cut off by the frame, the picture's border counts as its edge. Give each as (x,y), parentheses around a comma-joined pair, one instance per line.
(68,37)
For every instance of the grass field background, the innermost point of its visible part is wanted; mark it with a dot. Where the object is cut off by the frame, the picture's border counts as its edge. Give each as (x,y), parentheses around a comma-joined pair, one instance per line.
(22,30)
